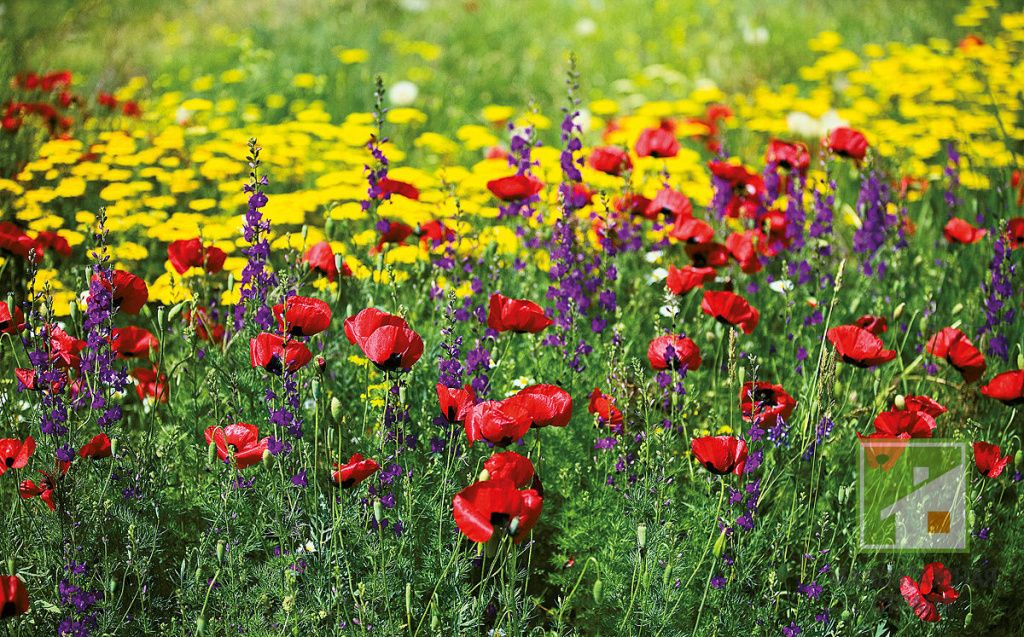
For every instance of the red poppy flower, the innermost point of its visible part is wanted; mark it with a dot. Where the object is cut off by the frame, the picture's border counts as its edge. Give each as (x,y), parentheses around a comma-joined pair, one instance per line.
(390,187)
(720,454)
(132,342)
(926,404)
(65,349)
(959,231)
(610,160)
(742,247)
(859,347)
(632,203)
(14,240)
(902,424)
(516,315)
(386,339)
(354,471)
(131,108)
(47,239)
(953,345)
(936,587)
(205,327)
(515,187)
(877,325)
(129,291)
(691,230)
(730,309)
(1015,233)
(707,255)
(97,448)
(484,507)
(13,596)
(434,232)
(148,386)
(321,257)
(27,380)
(544,405)
(766,403)
(455,403)
(45,490)
(273,353)
(1007,388)
(11,323)
(669,203)
(305,316)
(788,155)
(190,253)
(747,188)
(674,352)
(391,232)
(988,461)
(499,422)
(847,142)
(14,453)
(657,142)
(240,441)
(509,465)
(682,280)
(603,406)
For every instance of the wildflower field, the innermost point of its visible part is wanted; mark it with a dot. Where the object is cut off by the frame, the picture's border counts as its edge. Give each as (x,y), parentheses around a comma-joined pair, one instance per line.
(451,317)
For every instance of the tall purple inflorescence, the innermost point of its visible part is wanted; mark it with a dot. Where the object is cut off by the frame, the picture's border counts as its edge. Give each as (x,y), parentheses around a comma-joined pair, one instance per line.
(876,222)
(257,279)
(998,290)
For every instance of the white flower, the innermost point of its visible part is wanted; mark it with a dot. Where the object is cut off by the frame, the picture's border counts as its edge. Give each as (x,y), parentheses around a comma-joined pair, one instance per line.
(831,121)
(415,6)
(656,275)
(403,93)
(585,27)
(522,383)
(668,311)
(583,119)
(782,286)
(653,256)
(803,124)
(755,35)
(308,547)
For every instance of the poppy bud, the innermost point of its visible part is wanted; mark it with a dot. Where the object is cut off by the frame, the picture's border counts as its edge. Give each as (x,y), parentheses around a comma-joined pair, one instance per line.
(1017,457)
(435,619)
(408,599)
(641,536)
(900,402)
(898,312)
(211,452)
(73,309)
(10,564)
(378,511)
(111,586)
(329,227)
(200,625)
(321,364)
(666,577)
(484,476)
(315,389)
(113,447)
(160,317)
(305,233)
(970,518)
(1020,359)
(598,591)
(268,458)
(401,395)
(967,619)
(335,407)
(231,281)
(719,544)
(176,310)
(220,551)
(957,308)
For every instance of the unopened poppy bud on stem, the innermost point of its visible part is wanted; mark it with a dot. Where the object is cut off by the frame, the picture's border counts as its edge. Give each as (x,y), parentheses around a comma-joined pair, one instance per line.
(957,308)
(641,536)
(408,599)
(211,453)
(335,408)
(898,312)
(378,511)
(111,586)
(598,591)
(719,544)
(1020,359)
(900,402)
(268,458)
(220,551)
(484,476)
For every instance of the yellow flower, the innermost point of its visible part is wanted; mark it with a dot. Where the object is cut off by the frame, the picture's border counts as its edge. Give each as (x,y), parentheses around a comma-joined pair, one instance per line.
(304,80)
(353,56)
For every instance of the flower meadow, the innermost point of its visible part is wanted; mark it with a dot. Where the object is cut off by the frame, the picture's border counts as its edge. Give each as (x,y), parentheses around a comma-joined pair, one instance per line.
(273,369)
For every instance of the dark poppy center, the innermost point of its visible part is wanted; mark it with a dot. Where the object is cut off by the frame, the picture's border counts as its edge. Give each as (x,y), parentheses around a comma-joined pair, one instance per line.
(10,609)
(274,365)
(700,260)
(713,469)
(500,519)
(9,461)
(764,397)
